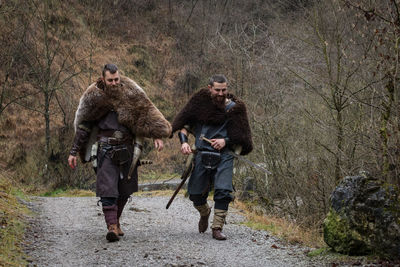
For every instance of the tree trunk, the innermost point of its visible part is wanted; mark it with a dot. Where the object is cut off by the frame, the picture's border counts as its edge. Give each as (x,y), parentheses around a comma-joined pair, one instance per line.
(386,116)
(47,120)
(338,164)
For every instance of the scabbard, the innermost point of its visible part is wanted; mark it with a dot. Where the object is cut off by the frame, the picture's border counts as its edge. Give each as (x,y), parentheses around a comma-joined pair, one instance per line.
(137,151)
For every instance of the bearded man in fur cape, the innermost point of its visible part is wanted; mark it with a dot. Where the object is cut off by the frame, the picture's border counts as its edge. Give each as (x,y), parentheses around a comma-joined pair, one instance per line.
(116,112)
(219,122)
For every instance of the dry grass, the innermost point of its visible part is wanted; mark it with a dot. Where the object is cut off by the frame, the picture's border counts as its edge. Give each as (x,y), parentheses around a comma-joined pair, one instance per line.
(280,227)
(12,225)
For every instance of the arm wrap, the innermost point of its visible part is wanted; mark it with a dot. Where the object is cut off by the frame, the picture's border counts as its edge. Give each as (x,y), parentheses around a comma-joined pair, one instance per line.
(227,140)
(182,137)
(81,138)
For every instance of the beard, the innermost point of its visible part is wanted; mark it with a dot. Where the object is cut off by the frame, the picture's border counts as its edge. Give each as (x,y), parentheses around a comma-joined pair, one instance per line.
(112,88)
(218,101)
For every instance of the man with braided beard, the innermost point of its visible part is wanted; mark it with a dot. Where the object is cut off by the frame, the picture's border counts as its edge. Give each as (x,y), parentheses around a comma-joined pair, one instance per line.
(115,110)
(219,122)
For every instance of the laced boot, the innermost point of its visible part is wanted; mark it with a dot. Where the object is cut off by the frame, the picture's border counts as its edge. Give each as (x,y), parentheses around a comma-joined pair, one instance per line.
(121,204)
(110,216)
(218,223)
(205,211)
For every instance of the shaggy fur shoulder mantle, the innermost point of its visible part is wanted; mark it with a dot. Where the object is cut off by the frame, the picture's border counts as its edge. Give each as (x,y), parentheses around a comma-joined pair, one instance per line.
(200,108)
(135,110)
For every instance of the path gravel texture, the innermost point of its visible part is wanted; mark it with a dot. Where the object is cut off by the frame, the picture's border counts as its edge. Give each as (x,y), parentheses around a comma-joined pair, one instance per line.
(69,231)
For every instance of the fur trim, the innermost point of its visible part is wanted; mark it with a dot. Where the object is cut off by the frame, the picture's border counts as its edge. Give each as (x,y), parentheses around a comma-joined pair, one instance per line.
(135,110)
(200,108)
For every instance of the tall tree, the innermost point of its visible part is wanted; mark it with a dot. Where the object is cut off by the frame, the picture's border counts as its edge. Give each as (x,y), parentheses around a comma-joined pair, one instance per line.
(51,57)
(379,21)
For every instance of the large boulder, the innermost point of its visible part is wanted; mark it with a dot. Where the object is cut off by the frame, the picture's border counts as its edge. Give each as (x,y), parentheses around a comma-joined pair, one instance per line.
(364,218)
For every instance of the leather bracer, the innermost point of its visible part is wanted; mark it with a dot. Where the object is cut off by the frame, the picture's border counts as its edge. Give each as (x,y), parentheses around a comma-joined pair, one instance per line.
(81,138)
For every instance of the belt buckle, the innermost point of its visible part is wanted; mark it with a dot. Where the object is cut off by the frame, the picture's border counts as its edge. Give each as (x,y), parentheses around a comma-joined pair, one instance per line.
(118,135)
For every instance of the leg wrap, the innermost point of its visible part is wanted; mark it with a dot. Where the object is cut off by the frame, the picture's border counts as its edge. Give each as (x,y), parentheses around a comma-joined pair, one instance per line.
(121,204)
(219,219)
(203,209)
(110,214)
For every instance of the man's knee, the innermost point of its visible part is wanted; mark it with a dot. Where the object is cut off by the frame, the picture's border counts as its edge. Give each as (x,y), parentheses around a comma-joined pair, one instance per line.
(198,200)
(108,201)
(222,199)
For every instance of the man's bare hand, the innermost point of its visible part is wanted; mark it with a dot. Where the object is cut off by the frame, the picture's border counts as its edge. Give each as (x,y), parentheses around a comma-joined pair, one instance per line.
(158,144)
(185,149)
(218,144)
(72,161)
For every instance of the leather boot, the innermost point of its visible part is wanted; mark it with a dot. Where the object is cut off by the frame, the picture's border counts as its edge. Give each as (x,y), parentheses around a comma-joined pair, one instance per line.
(218,224)
(205,211)
(121,204)
(119,231)
(110,216)
(217,234)
(112,234)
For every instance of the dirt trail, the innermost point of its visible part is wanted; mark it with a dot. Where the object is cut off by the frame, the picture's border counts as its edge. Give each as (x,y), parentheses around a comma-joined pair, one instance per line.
(71,232)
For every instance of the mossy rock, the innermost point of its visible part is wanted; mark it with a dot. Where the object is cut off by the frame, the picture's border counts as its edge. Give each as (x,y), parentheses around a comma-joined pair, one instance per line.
(340,236)
(364,218)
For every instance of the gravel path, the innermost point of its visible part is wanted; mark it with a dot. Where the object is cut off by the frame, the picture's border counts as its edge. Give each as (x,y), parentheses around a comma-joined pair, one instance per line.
(71,232)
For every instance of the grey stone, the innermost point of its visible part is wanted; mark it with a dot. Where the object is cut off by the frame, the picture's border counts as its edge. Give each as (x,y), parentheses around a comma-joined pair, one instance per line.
(364,218)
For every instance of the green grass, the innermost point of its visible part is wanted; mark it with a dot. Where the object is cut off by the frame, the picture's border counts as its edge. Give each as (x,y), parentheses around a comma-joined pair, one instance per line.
(19,193)
(319,252)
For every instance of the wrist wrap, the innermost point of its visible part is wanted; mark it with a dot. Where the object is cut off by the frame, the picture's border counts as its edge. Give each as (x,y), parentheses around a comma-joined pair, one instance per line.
(182,137)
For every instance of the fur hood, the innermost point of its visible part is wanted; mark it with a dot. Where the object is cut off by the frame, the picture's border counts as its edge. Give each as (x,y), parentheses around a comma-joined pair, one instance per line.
(135,110)
(200,108)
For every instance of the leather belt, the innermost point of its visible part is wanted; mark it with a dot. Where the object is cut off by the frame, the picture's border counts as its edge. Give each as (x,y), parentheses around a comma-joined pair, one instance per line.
(114,141)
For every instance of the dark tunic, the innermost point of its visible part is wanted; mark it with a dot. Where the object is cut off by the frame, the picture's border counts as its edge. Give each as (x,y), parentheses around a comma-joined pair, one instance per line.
(112,179)
(221,176)
(201,177)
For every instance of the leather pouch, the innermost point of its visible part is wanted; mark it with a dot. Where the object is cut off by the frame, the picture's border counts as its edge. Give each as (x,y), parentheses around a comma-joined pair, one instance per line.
(210,160)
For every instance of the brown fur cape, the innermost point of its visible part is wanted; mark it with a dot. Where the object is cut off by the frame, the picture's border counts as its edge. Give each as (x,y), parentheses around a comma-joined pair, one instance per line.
(200,108)
(135,110)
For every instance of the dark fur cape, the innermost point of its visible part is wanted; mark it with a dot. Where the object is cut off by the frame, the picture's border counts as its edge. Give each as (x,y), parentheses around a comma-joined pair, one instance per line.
(135,110)
(200,108)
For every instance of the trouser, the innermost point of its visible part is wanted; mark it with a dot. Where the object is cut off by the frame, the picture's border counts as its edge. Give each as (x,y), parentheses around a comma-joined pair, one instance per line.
(222,198)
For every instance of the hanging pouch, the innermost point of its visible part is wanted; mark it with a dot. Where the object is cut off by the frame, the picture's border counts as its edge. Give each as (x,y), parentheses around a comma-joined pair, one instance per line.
(210,160)
(120,155)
